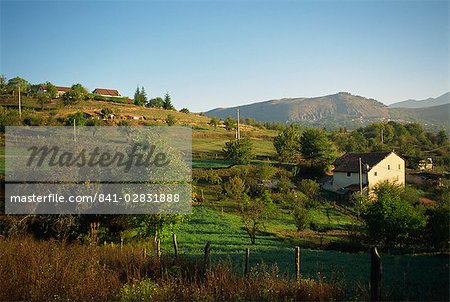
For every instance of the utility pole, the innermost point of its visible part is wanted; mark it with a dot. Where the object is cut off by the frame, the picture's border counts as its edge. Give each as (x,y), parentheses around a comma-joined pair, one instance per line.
(238,133)
(74,131)
(20,105)
(382,138)
(360,177)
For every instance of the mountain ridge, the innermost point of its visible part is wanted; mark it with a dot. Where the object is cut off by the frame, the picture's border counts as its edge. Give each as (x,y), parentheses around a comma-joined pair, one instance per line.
(335,110)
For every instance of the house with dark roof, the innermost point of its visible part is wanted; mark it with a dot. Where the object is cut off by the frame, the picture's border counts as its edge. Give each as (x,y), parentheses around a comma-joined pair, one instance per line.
(106,92)
(370,168)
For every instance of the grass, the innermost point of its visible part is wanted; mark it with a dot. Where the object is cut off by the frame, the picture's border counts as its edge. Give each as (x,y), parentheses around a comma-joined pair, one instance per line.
(46,270)
(405,277)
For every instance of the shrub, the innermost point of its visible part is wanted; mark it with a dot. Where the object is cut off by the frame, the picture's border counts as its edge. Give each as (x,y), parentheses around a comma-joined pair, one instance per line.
(302,217)
(239,150)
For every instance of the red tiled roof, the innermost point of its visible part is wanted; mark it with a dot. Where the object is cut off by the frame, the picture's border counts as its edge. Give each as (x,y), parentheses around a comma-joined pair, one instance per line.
(103,91)
(59,88)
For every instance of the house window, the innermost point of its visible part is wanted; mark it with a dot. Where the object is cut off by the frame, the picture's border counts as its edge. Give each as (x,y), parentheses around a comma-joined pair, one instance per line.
(399,167)
(375,174)
(389,167)
(349,174)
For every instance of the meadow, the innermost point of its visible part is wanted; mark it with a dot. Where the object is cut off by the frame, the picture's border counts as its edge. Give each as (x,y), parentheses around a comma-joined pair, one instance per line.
(215,219)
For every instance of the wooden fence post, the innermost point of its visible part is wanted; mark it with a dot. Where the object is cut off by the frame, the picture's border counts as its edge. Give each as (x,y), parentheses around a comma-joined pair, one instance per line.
(144,253)
(247,260)
(207,259)
(121,242)
(375,276)
(175,244)
(297,263)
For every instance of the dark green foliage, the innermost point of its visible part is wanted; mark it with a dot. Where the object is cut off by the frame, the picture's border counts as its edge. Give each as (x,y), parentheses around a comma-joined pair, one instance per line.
(15,83)
(214,122)
(316,147)
(309,187)
(287,144)
(390,220)
(302,217)
(77,117)
(438,226)
(255,212)
(167,103)
(76,93)
(170,120)
(185,110)
(229,123)
(51,90)
(239,150)
(140,96)
(43,98)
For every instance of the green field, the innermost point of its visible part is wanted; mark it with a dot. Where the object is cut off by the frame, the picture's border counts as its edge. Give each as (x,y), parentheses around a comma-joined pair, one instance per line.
(405,277)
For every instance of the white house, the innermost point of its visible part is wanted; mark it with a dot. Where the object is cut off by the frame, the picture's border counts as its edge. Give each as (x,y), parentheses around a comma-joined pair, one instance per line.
(375,168)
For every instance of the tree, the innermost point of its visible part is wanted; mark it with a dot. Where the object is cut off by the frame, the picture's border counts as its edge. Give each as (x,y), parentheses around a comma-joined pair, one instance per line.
(43,98)
(254,214)
(287,144)
(239,150)
(442,138)
(51,90)
(438,225)
(106,111)
(77,117)
(236,190)
(229,123)
(156,102)
(76,93)
(140,96)
(316,147)
(170,120)
(390,220)
(185,110)
(302,217)
(167,104)
(214,122)
(3,84)
(309,187)
(14,84)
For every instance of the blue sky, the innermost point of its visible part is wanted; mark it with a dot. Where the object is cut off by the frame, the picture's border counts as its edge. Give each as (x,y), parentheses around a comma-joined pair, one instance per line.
(211,54)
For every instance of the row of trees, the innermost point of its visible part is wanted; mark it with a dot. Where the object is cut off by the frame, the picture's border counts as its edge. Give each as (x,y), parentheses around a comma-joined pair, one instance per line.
(140,99)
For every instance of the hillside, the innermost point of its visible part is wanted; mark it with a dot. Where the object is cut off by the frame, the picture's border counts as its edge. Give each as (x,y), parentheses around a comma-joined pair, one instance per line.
(340,107)
(430,102)
(431,116)
(337,110)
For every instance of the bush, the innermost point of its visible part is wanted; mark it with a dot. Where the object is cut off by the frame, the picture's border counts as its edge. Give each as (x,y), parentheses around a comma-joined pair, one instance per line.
(170,120)
(309,187)
(302,217)
(239,150)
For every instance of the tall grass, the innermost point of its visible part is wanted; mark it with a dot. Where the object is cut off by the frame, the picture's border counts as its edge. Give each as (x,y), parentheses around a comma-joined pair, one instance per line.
(33,270)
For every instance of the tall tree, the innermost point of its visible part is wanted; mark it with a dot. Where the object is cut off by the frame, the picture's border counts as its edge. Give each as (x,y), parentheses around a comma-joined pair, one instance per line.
(316,147)
(76,93)
(239,150)
(287,144)
(15,83)
(168,102)
(140,96)
(51,90)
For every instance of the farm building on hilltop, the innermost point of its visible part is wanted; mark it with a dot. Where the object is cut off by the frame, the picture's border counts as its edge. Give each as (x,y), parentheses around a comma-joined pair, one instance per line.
(353,169)
(106,92)
(60,90)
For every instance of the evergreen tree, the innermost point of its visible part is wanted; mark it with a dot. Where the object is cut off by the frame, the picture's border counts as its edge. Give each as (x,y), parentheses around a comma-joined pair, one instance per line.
(167,102)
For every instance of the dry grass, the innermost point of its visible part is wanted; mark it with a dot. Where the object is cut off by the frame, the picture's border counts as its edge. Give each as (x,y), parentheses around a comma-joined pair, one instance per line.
(33,270)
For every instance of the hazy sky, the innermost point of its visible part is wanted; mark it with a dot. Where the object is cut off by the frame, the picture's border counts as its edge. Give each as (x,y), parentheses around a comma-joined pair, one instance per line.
(211,54)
